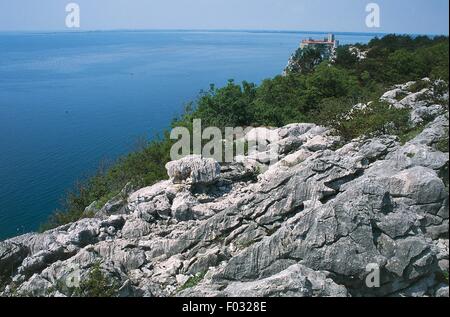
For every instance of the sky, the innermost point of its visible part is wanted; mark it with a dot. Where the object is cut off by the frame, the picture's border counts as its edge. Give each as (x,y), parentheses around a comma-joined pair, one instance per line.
(396,16)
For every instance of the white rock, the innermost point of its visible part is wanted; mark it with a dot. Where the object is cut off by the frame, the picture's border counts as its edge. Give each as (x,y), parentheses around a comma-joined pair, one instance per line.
(262,135)
(193,170)
(317,143)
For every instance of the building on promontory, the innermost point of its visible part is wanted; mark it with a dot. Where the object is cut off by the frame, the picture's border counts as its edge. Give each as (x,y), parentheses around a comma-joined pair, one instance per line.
(327,46)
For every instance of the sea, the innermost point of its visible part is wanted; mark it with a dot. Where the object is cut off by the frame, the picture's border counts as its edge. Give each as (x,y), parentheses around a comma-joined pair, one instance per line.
(70,101)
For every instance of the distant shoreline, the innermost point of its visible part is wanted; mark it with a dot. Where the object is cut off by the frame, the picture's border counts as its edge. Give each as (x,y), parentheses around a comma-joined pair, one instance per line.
(200,31)
(381,34)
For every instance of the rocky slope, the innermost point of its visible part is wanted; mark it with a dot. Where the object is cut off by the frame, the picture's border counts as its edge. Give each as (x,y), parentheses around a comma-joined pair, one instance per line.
(309,225)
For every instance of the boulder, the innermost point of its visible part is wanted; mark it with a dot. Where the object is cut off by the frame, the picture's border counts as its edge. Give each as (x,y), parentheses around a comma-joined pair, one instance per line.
(317,143)
(442,292)
(152,203)
(182,206)
(194,170)
(418,183)
(136,228)
(391,95)
(11,256)
(262,135)
(295,130)
(295,281)
(425,113)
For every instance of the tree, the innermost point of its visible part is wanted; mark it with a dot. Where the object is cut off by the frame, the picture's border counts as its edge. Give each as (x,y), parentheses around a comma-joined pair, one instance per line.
(305,60)
(345,58)
(404,65)
(227,106)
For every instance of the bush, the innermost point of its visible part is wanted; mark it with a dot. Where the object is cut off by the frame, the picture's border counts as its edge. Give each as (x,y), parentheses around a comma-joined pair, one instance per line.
(97,284)
(404,65)
(305,60)
(193,281)
(419,85)
(350,123)
(409,134)
(226,107)
(279,101)
(345,58)
(442,144)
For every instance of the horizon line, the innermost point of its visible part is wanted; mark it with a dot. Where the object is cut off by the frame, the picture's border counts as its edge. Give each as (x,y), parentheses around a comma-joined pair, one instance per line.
(216,30)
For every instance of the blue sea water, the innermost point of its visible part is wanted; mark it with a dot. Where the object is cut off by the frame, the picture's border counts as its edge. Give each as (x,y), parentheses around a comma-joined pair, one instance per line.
(70,100)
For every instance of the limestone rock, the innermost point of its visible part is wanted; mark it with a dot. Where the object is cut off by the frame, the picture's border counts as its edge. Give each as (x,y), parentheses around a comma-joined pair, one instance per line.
(194,170)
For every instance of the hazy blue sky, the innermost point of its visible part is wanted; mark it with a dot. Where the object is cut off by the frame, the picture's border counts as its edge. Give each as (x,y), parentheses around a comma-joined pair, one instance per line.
(400,16)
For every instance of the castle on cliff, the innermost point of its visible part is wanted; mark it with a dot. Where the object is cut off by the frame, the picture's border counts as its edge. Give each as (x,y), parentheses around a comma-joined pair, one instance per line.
(327,46)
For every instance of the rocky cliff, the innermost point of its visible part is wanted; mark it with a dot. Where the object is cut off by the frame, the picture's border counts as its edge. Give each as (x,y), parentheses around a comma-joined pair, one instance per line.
(314,224)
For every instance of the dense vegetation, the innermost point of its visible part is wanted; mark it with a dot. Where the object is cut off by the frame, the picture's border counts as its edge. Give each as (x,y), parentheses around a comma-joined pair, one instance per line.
(323,94)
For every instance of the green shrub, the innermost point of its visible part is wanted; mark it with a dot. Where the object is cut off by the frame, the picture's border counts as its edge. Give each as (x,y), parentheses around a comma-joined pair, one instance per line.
(279,101)
(401,95)
(305,60)
(193,281)
(350,123)
(97,284)
(442,276)
(345,58)
(419,85)
(442,145)
(227,106)
(103,200)
(409,134)
(440,90)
